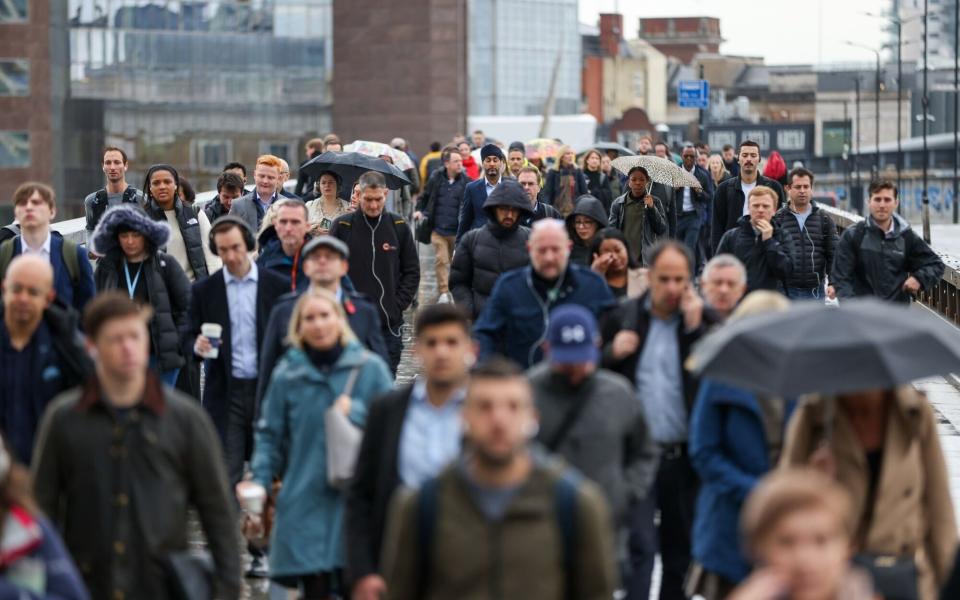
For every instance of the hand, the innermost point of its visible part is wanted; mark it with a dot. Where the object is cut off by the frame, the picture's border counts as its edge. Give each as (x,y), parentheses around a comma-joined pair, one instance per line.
(765,228)
(648,201)
(316,230)
(691,305)
(202,346)
(417,216)
(765,584)
(625,343)
(342,403)
(601,262)
(252,527)
(371,587)
(831,292)
(911,286)
(822,460)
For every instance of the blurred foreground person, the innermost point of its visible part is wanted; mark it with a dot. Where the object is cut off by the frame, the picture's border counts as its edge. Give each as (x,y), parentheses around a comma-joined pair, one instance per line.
(503,521)
(120,460)
(325,368)
(796,527)
(883,447)
(610,257)
(723,283)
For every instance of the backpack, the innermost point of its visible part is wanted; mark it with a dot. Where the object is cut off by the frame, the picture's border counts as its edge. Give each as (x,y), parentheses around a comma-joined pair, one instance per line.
(9,231)
(70,252)
(565,509)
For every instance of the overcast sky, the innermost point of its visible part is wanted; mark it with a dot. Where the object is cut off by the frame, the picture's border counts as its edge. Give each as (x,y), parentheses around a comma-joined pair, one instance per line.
(778,30)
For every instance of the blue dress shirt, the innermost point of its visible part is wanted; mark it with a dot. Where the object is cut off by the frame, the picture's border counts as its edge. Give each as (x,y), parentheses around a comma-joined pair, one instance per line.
(431,436)
(660,382)
(242,306)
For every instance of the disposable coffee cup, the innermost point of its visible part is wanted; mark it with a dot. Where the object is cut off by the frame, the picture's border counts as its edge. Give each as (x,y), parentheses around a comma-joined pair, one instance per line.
(212,331)
(252,498)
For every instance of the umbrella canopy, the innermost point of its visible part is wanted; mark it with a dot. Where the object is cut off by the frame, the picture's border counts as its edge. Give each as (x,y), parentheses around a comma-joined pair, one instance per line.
(378,149)
(543,148)
(351,165)
(661,170)
(860,345)
(610,146)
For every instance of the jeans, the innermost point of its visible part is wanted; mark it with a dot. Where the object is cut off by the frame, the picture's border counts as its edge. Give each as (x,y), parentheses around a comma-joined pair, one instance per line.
(238,442)
(688,231)
(167,377)
(394,347)
(443,245)
(805,293)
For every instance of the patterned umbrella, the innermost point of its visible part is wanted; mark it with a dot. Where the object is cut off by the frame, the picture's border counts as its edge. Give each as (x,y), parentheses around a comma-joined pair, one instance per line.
(378,149)
(660,170)
(620,149)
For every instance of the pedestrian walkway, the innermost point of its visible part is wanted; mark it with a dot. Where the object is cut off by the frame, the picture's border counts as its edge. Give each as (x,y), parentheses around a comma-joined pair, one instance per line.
(944,395)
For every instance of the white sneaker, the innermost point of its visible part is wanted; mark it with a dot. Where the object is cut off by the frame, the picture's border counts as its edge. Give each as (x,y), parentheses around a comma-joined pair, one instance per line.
(445,298)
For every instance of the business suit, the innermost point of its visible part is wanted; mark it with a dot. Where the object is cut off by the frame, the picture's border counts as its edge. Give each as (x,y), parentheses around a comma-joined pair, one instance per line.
(472,215)
(222,391)
(375,479)
(245,207)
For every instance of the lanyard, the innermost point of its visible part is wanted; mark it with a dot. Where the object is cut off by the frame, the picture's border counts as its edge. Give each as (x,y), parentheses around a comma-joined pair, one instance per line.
(293,271)
(131,285)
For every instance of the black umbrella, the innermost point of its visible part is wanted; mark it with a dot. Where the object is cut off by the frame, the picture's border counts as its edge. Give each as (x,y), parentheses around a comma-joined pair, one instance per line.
(860,345)
(351,165)
(620,149)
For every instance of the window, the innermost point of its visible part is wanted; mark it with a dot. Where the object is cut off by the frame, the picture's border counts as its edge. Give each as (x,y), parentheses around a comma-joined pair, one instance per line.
(791,139)
(210,155)
(759,136)
(14,77)
(284,150)
(12,11)
(14,149)
(836,136)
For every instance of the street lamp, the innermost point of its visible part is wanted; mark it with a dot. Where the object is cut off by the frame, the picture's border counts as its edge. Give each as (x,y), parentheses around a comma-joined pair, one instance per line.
(926,119)
(876,107)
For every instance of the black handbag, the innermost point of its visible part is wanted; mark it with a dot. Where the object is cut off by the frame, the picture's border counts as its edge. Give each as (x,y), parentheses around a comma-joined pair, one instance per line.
(894,577)
(190,575)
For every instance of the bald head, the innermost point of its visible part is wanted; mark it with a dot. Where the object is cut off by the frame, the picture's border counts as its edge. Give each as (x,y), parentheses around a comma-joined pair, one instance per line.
(27,291)
(549,247)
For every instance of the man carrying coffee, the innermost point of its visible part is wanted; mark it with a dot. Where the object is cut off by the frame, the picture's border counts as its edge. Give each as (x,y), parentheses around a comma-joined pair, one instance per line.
(229,313)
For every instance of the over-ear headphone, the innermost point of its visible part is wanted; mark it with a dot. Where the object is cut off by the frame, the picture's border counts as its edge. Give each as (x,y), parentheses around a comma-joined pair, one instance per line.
(248,237)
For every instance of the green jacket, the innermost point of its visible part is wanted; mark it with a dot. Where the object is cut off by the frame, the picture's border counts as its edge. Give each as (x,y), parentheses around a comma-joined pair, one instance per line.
(519,556)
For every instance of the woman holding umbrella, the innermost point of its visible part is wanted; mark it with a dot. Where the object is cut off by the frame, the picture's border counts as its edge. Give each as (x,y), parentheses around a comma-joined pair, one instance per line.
(639,215)
(328,206)
(565,182)
(598,182)
(130,243)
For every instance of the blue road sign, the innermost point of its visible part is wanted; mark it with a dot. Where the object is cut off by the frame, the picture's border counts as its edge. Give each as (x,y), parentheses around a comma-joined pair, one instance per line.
(693,94)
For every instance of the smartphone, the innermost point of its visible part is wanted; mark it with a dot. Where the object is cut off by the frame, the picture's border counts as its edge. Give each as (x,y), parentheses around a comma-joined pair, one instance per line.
(325,223)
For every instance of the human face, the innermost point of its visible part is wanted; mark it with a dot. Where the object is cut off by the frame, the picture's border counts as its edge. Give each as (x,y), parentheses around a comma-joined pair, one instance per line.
(702,160)
(669,279)
(498,414)
(799,192)
(491,167)
(267,180)
(163,187)
(616,249)
(27,292)
(644,145)
(122,348)
(605,164)
(882,206)
(661,151)
(113,166)
(689,156)
(574,373)
(761,208)
(478,139)
(728,155)
(227,195)
(355,198)
(567,159)
(372,201)
(291,225)
(284,174)
(531,185)
(593,161)
(324,267)
(454,165)
(549,252)
(238,173)
(328,186)
(232,250)
(507,216)
(320,324)
(638,184)
(749,159)
(445,352)
(585,227)
(34,212)
(515,161)
(810,550)
(133,245)
(464,149)
(333,147)
(723,289)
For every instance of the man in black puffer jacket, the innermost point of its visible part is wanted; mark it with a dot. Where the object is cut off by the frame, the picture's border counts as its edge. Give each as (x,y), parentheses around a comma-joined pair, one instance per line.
(812,236)
(499,246)
(759,244)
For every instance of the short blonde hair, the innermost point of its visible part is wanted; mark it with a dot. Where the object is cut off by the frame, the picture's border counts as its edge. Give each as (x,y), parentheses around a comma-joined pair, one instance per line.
(295,338)
(758,303)
(763,190)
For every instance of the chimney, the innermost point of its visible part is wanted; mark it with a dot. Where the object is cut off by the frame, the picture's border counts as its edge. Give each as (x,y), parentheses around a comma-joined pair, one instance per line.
(611,33)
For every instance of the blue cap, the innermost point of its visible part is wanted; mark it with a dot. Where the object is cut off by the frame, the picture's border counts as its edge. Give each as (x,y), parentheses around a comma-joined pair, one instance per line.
(572,335)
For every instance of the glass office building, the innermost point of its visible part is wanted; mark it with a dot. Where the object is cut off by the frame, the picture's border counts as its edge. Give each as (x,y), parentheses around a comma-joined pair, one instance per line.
(513,48)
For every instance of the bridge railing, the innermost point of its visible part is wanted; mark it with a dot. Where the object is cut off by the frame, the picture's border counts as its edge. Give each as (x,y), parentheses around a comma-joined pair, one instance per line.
(944,297)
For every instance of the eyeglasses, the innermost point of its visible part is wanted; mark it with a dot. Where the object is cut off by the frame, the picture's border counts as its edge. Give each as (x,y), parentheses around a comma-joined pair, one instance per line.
(583,222)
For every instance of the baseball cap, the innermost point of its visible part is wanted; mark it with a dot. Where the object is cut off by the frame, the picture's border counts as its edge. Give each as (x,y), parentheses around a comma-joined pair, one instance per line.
(572,335)
(326,241)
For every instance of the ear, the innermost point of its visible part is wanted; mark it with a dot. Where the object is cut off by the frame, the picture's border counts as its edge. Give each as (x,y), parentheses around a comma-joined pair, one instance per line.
(51,295)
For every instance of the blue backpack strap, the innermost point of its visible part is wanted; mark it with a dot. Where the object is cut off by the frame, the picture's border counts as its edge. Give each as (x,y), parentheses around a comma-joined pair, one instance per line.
(565,508)
(427,505)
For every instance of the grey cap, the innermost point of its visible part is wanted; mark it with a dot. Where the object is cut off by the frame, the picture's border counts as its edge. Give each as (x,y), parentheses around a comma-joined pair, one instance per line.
(326,241)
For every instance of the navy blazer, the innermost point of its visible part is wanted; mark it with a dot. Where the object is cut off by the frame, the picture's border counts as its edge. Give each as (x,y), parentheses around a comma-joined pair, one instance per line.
(472,215)
(209,305)
(73,293)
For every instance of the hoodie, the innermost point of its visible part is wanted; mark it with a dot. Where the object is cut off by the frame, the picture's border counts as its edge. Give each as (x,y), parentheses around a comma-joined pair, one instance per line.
(587,206)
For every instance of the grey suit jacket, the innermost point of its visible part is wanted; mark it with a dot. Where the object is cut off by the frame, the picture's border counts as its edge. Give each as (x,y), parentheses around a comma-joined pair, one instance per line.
(245,208)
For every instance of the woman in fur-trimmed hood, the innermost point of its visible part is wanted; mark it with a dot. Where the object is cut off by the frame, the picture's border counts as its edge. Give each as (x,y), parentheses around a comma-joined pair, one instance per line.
(130,243)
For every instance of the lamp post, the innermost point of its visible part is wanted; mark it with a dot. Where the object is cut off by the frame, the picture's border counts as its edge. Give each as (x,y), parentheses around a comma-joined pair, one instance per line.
(876,108)
(925,103)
